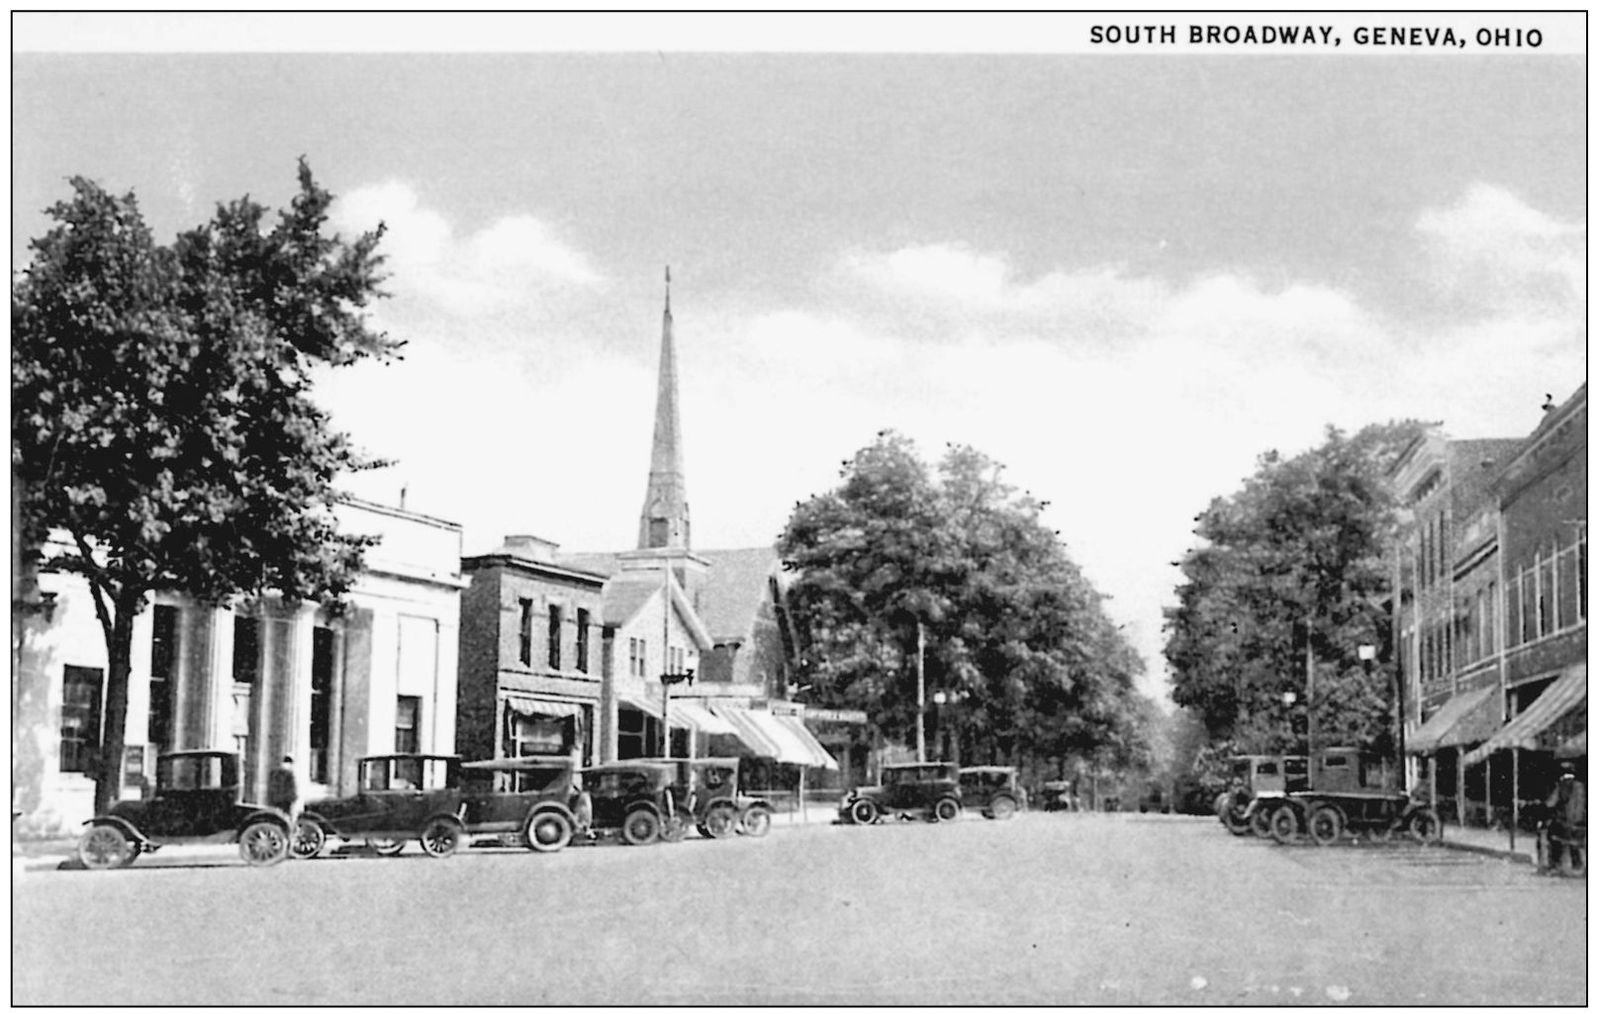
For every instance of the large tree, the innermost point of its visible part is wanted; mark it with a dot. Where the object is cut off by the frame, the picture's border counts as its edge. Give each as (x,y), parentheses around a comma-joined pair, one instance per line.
(1288,580)
(161,416)
(960,563)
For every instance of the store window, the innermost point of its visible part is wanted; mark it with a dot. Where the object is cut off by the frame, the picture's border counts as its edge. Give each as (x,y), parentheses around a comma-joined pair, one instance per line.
(163,675)
(408,724)
(81,689)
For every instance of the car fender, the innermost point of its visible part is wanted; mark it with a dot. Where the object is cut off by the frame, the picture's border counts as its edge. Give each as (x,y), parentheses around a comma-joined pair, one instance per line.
(269,816)
(643,805)
(121,824)
(453,816)
(551,806)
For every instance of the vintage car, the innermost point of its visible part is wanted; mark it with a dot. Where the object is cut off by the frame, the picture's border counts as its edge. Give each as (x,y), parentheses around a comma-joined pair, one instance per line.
(197,798)
(1273,780)
(1265,776)
(1058,795)
(707,794)
(1352,791)
(398,797)
(931,790)
(992,790)
(633,800)
(523,801)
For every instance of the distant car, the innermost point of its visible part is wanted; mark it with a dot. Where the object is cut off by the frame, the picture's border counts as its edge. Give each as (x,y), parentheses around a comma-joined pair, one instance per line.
(197,799)
(633,800)
(707,794)
(932,791)
(1058,796)
(992,790)
(524,800)
(399,797)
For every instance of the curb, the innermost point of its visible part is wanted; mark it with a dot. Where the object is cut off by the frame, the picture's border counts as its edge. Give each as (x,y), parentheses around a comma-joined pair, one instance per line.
(1486,850)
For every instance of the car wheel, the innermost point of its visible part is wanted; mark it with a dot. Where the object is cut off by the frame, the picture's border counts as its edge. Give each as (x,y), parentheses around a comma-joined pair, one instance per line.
(1260,821)
(673,830)
(104,847)
(1326,825)
(1284,825)
(308,839)
(863,811)
(946,809)
(1233,818)
(548,831)
(641,827)
(756,822)
(264,843)
(386,846)
(721,822)
(1425,827)
(1002,808)
(441,837)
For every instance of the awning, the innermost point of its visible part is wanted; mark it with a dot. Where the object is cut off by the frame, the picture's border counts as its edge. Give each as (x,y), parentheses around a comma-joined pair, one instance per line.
(760,732)
(1521,732)
(640,700)
(819,756)
(692,715)
(531,706)
(1470,717)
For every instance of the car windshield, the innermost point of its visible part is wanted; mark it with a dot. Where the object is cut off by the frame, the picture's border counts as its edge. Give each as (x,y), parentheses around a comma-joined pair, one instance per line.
(401,773)
(189,773)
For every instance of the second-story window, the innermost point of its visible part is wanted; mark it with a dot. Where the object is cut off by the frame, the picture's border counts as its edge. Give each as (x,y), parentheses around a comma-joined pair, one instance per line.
(555,637)
(582,640)
(524,644)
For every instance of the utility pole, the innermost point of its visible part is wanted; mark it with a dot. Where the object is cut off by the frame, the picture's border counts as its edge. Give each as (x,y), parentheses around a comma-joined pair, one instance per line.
(1310,706)
(921,694)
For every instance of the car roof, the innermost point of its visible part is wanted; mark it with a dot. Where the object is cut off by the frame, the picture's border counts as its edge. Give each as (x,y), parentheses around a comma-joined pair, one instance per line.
(172,754)
(518,764)
(410,756)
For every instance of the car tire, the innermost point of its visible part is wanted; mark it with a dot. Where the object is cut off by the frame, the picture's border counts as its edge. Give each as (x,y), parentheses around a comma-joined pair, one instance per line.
(548,831)
(1424,826)
(1325,824)
(947,808)
(105,847)
(1260,821)
(1002,808)
(641,827)
(1233,819)
(1284,825)
(309,838)
(673,830)
(440,837)
(386,846)
(863,811)
(721,822)
(263,843)
(757,820)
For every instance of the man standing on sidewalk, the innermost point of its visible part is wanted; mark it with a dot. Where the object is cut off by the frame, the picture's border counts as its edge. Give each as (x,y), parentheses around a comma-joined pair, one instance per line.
(1568,814)
(283,790)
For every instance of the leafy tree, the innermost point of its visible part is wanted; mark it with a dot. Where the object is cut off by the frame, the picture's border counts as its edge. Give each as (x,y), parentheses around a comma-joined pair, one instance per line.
(1011,629)
(1289,568)
(161,416)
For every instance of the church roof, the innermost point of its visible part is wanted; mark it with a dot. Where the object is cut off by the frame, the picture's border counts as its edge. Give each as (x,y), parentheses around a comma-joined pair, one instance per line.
(736,587)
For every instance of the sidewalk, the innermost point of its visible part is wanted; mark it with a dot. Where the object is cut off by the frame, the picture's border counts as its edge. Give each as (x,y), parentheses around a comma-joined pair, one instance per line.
(1492,842)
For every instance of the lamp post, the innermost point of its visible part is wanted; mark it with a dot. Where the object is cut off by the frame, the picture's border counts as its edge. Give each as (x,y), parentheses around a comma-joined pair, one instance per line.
(921,694)
(939,699)
(668,680)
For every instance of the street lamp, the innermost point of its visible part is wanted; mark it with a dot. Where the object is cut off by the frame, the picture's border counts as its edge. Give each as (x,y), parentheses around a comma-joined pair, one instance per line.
(669,680)
(1289,697)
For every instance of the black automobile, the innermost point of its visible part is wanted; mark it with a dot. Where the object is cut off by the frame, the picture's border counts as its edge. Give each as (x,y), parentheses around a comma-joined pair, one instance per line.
(197,799)
(932,791)
(399,797)
(707,793)
(523,801)
(992,790)
(633,800)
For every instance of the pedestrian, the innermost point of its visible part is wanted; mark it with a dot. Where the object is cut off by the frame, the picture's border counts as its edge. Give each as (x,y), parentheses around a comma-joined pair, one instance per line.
(1568,815)
(283,789)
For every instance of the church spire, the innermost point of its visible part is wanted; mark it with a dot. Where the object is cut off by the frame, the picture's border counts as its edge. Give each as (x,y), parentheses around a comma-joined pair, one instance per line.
(664,520)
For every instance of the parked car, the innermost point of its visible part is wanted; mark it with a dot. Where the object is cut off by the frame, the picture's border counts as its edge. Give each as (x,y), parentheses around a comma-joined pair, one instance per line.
(707,794)
(197,798)
(633,800)
(932,791)
(525,801)
(1059,796)
(993,791)
(399,797)
(1351,791)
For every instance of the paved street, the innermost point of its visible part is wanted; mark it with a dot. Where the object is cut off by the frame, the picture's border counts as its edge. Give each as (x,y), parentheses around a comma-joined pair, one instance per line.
(1048,908)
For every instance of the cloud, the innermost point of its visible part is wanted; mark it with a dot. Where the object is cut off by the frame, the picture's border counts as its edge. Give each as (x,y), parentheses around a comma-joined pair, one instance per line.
(1492,252)
(513,263)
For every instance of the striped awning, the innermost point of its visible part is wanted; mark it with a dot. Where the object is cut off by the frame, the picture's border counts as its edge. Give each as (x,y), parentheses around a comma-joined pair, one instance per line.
(1522,732)
(819,756)
(1470,717)
(692,715)
(760,732)
(531,706)
(640,700)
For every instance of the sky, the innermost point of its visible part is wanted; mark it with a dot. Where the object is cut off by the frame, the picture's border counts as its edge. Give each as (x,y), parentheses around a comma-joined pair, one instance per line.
(1125,273)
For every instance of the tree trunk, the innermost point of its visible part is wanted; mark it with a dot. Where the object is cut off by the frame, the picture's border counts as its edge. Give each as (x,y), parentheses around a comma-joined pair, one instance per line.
(119,664)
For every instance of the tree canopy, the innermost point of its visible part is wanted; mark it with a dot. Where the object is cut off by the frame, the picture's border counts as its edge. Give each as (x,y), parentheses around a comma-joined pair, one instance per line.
(1013,632)
(161,414)
(1293,565)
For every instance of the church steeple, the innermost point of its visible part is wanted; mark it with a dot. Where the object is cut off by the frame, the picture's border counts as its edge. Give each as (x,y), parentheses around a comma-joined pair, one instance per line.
(664,521)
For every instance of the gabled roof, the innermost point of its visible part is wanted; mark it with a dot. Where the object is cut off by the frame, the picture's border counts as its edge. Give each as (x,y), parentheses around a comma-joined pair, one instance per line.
(735,589)
(626,594)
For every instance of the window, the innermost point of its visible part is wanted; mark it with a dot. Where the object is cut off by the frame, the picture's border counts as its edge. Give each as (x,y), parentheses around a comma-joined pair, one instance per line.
(163,676)
(81,688)
(631,739)
(554,638)
(635,656)
(246,649)
(322,656)
(407,725)
(582,640)
(524,651)
(537,735)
